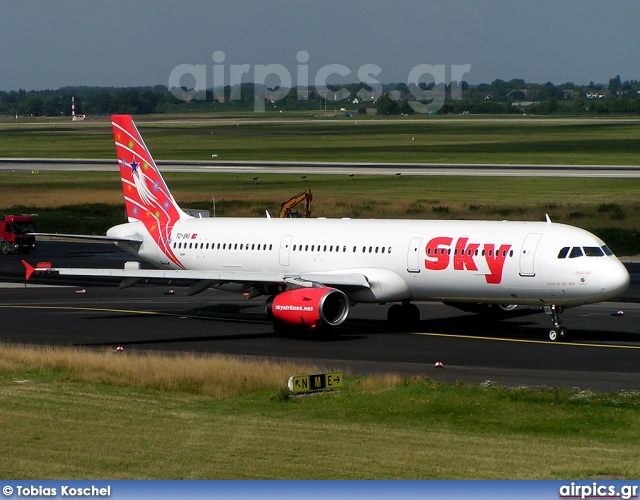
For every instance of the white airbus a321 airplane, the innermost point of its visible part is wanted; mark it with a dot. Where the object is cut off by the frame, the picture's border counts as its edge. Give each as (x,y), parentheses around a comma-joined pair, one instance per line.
(313,270)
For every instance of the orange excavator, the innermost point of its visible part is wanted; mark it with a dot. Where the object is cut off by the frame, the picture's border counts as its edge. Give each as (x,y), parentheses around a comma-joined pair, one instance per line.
(304,197)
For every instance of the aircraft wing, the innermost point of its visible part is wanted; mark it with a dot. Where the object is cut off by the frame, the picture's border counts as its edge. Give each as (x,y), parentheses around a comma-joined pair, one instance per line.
(208,278)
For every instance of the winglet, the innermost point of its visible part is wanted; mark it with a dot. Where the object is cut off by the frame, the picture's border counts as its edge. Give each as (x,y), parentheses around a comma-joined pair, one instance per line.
(30,269)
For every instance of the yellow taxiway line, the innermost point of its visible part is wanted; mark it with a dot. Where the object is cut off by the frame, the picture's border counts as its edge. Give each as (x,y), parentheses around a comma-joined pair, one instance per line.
(525,341)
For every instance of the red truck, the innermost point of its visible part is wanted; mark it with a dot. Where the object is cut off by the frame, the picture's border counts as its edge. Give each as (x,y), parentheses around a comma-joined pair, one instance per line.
(15,233)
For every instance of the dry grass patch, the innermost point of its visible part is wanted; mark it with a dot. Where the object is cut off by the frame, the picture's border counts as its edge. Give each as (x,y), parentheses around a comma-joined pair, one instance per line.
(42,197)
(379,383)
(212,375)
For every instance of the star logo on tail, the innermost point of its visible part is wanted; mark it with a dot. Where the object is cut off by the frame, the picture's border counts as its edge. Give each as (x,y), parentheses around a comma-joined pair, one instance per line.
(141,182)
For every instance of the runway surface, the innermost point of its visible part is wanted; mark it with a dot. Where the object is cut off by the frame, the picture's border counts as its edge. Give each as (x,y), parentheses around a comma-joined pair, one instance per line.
(603,353)
(265,167)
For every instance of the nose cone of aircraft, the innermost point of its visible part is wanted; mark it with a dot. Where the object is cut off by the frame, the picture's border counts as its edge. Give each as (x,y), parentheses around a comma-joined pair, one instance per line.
(616,280)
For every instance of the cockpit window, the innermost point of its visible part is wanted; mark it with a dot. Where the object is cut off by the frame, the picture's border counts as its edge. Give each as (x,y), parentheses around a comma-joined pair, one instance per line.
(593,251)
(575,252)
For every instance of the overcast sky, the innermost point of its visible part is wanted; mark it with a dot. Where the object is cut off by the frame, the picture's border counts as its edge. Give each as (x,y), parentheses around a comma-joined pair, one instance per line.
(50,44)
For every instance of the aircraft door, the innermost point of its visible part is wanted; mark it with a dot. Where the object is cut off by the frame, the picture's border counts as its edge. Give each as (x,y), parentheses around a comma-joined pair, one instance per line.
(284,249)
(413,255)
(528,253)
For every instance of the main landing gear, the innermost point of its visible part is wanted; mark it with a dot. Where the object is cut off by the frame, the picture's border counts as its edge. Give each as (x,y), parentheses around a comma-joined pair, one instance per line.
(557,333)
(406,315)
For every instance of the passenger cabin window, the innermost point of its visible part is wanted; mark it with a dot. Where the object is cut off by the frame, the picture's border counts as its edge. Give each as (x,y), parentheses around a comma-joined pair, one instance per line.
(563,253)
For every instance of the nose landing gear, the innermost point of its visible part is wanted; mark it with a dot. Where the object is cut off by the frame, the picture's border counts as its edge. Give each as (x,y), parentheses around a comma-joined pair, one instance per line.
(557,333)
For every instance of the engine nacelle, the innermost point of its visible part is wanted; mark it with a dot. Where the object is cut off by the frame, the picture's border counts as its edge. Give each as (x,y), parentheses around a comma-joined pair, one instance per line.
(309,307)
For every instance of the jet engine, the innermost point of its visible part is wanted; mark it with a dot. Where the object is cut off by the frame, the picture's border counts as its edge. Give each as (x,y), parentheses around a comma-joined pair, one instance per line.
(309,307)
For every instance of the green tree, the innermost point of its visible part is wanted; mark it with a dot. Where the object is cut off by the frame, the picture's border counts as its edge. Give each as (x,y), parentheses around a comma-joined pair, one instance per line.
(33,105)
(578,103)
(387,106)
(615,84)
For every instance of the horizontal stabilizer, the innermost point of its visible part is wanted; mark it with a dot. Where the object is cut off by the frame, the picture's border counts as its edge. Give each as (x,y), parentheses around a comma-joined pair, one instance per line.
(86,237)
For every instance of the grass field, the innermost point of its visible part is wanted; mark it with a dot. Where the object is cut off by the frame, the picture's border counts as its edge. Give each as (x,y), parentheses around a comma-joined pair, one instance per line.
(268,137)
(92,201)
(395,194)
(76,414)
(298,137)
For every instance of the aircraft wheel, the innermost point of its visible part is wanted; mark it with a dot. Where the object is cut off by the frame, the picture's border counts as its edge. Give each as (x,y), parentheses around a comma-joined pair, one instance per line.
(394,314)
(411,314)
(4,248)
(403,316)
(554,335)
(563,334)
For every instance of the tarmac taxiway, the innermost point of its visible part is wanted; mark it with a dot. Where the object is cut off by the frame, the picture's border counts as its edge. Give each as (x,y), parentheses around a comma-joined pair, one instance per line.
(602,354)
